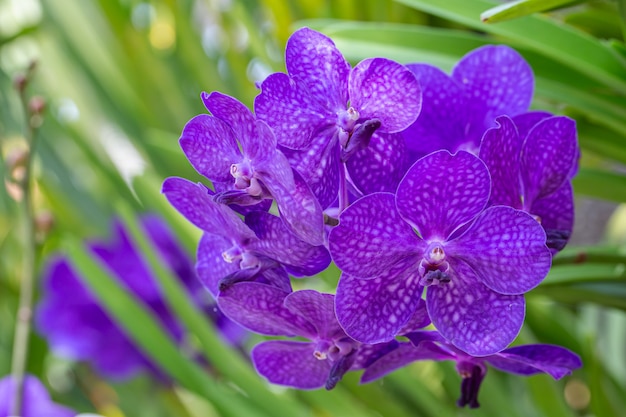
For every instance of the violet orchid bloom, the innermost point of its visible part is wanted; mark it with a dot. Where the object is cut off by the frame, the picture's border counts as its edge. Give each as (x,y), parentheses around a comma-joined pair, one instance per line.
(524,360)
(457,109)
(76,326)
(476,262)
(238,154)
(532,171)
(36,401)
(323,111)
(261,249)
(320,362)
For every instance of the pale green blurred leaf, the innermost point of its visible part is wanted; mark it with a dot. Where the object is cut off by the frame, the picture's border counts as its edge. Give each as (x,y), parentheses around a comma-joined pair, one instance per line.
(520,8)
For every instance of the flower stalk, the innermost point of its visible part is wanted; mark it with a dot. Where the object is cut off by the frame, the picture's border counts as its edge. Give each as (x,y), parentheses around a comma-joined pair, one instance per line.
(32,109)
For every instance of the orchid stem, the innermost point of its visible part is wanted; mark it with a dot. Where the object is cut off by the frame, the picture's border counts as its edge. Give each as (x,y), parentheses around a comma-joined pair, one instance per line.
(24,312)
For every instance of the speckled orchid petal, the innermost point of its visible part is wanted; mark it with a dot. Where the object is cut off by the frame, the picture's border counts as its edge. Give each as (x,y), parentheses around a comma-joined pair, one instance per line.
(497,81)
(291,363)
(556,215)
(313,59)
(441,191)
(526,121)
(383,89)
(555,361)
(211,266)
(381,165)
(318,309)
(506,248)
(500,150)
(286,106)
(472,317)
(298,206)
(278,243)
(193,201)
(404,354)
(418,320)
(374,310)
(256,140)
(372,237)
(259,307)
(442,120)
(210,146)
(550,153)
(319,166)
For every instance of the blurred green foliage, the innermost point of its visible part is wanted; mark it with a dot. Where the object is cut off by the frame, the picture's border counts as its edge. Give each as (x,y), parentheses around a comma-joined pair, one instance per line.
(122,77)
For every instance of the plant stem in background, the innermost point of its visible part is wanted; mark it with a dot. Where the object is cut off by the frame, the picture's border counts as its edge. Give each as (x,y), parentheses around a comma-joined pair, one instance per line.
(32,110)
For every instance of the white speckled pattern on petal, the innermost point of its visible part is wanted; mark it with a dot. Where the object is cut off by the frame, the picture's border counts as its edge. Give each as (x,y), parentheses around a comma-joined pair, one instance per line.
(549,155)
(313,59)
(374,310)
(259,307)
(372,237)
(211,147)
(290,363)
(381,165)
(211,266)
(319,309)
(497,80)
(500,150)
(472,317)
(506,248)
(441,191)
(287,107)
(278,243)
(383,89)
(194,202)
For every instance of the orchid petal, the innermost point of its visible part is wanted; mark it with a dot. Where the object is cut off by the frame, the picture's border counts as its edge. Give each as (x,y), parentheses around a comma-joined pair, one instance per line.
(440,192)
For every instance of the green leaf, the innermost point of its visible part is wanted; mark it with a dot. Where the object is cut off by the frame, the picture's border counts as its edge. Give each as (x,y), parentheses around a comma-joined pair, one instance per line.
(564,44)
(601,184)
(143,328)
(520,8)
(607,294)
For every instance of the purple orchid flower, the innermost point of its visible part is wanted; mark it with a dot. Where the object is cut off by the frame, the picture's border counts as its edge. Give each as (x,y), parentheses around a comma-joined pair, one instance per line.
(323,111)
(36,401)
(525,360)
(457,109)
(476,262)
(261,249)
(320,362)
(238,154)
(76,326)
(531,170)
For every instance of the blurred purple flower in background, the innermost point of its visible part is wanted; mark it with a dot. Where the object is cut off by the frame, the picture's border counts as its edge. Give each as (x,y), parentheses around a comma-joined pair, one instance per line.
(36,401)
(70,318)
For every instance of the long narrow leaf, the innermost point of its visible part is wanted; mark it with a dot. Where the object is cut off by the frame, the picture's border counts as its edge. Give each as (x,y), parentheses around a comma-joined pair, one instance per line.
(520,8)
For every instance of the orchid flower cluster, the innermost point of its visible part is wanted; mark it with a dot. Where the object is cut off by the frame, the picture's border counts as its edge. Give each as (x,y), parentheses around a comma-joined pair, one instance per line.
(441,198)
